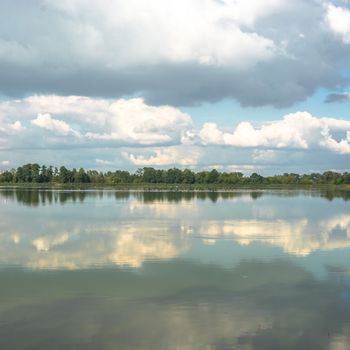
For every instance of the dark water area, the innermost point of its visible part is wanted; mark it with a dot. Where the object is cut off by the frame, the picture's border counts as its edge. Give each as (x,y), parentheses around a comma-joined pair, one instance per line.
(105,269)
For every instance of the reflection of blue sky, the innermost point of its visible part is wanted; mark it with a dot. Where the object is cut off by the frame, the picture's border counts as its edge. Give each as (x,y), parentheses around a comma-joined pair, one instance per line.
(230,253)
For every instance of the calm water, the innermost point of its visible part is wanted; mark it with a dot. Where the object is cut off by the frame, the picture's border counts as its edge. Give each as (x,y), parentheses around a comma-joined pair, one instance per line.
(115,270)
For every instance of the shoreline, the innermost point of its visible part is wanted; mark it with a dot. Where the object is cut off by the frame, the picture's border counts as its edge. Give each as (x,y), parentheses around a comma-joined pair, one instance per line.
(173,187)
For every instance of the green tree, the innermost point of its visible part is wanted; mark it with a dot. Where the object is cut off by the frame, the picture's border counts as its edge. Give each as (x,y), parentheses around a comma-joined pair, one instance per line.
(64,175)
(213,176)
(188,176)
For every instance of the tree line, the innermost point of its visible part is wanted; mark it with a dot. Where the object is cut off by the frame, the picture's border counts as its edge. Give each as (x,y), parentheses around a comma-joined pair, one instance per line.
(34,173)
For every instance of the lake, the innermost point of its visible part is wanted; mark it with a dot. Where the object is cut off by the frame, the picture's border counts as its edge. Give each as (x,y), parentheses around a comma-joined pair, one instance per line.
(141,270)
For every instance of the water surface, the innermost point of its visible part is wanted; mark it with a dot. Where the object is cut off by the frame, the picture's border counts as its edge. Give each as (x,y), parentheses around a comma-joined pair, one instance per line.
(132,270)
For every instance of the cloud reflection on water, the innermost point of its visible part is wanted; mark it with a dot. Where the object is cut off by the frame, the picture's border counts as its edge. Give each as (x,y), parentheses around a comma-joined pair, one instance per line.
(139,229)
(299,237)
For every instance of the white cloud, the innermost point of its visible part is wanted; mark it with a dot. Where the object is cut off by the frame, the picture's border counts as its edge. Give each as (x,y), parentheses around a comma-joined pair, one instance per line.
(16,126)
(166,156)
(206,32)
(5,162)
(11,128)
(298,130)
(268,52)
(45,121)
(342,146)
(101,120)
(103,162)
(263,155)
(243,168)
(338,19)
(136,122)
(139,134)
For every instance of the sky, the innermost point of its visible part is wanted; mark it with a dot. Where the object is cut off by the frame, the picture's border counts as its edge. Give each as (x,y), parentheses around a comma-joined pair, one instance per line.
(237,85)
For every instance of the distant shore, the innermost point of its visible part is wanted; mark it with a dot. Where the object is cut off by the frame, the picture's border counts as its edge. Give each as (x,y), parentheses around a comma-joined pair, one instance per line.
(173,179)
(176,187)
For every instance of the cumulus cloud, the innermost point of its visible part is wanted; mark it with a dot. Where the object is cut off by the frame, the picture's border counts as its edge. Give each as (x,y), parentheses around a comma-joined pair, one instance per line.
(263,155)
(134,133)
(100,120)
(338,19)
(207,33)
(271,52)
(134,121)
(11,128)
(298,130)
(244,168)
(103,162)
(45,121)
(166,156)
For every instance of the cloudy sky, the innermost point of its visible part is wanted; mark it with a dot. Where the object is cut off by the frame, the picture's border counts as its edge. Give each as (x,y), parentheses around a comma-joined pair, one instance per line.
(248,85)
